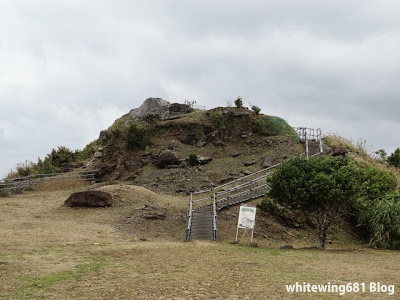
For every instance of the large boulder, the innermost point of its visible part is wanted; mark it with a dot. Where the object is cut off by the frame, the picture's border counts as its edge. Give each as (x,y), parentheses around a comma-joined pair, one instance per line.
(167,157)
(89,199)
(159,108)
(153,107)
(339,151)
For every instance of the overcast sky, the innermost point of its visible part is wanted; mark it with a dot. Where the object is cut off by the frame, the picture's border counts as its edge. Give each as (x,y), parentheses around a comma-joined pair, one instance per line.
(69,68)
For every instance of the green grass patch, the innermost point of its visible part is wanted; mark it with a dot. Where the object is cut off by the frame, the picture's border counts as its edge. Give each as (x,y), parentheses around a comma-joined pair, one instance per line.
(31,286)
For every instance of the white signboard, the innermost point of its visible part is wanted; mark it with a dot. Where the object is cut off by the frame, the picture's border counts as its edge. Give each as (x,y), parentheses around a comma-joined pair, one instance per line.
(247,217)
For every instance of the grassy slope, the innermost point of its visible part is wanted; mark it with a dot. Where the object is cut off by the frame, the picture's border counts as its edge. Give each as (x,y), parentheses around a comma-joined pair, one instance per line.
(48,251)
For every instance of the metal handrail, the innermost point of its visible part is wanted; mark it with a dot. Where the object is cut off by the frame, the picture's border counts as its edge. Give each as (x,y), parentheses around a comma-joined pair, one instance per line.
(214,217)
(190,215)
(32,180)
(303,132)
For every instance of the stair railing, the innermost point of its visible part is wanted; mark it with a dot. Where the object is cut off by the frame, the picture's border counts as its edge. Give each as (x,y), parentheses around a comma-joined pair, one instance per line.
(214,219)
(189,219)
(234,189)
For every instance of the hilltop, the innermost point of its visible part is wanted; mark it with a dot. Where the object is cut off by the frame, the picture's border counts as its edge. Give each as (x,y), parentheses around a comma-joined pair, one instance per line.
(225,143)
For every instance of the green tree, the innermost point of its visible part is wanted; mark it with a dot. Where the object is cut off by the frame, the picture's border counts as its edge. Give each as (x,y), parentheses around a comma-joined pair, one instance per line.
(323,187)
(381,154)
(394,159)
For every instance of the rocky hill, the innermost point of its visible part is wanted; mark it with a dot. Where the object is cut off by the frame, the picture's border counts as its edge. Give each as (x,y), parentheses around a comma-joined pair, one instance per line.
(174,148)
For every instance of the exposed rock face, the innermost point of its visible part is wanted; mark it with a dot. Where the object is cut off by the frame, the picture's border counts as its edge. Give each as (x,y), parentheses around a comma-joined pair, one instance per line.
(103,135)
(160,108)
(89,199)
(178,109)
(167,157)
(267,162)
(204,160)
(151,106)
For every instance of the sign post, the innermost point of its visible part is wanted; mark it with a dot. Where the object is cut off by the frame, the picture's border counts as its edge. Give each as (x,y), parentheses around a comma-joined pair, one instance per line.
(247,219)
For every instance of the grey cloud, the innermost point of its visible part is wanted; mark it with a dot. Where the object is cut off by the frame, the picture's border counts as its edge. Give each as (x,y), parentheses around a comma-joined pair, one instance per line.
(318,63)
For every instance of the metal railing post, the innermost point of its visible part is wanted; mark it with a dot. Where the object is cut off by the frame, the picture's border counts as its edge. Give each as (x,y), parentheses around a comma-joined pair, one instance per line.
(214,218)
(189,221)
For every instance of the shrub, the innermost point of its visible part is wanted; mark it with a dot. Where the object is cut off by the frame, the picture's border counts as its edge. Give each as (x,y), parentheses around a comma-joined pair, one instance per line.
(193,159)
(272,126)
(183,165)
(62,155)
(374,184)
(194,135)
(394,158)
(239,102)
(256,109)
(136,136)
(270,206)
(217,120)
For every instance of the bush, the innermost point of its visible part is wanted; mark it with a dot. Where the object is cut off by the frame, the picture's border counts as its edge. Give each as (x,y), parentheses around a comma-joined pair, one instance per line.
(217,120)
(382,220)
(374,184)
(270,206)
(194,135)
(193,159)
(394,159)
(136,137)
(272,126)
(256,109)
(239,102)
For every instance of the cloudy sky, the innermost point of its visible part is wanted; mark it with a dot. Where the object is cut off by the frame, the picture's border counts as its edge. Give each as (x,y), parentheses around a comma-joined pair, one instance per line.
(69,68)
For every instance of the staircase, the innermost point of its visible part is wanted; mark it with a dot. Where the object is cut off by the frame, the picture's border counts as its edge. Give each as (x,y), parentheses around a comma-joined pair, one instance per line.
(202,213)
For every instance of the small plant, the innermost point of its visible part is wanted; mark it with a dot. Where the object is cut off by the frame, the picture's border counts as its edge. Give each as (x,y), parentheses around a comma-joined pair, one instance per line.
(193,159)
(239,102)
(256,109)
(183,165)
(217,120)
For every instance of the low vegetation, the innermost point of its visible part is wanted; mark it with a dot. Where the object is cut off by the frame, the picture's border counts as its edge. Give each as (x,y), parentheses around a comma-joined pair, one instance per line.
(52,163)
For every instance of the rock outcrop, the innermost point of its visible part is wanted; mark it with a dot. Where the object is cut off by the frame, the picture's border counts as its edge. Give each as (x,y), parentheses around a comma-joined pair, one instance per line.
(89,199)
(167,158)
(160,108)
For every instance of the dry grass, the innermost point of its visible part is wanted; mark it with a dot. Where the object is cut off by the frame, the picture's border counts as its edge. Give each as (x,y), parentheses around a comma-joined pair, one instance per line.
(48,251)
(360,153)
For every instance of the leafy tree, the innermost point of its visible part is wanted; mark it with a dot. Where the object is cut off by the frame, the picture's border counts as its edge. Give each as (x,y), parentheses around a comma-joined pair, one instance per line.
(323,187)
(394,159)
(381,154)
(239,102)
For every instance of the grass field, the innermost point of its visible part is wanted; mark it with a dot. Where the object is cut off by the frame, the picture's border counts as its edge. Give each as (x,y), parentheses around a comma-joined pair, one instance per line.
(48,251)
